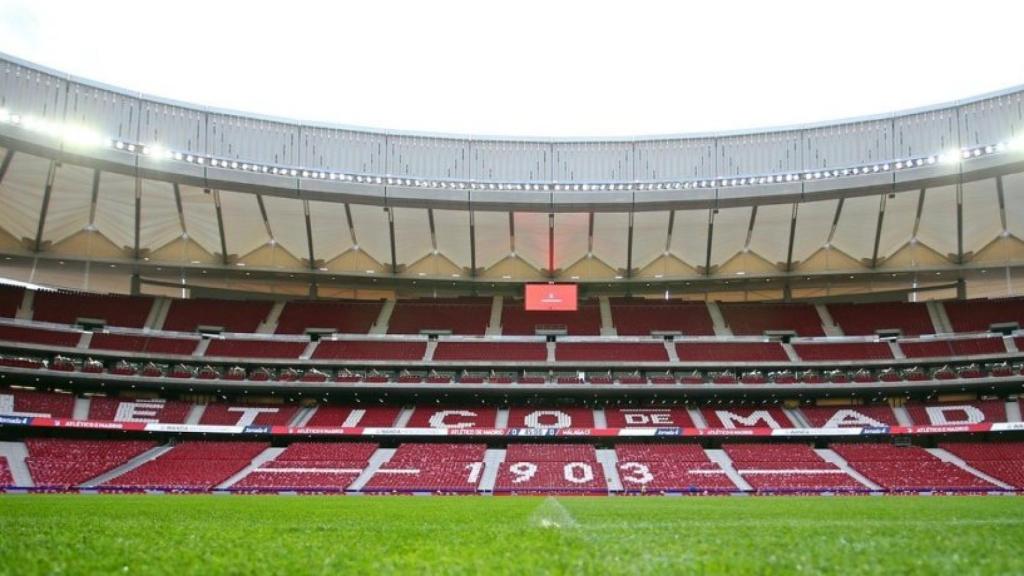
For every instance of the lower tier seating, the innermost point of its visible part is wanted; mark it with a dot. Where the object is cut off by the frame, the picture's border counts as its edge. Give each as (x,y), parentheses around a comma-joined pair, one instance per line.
(669,468)
(6,478)
(1003,461)
(908,468)
(65,463)
(550,469)
(449,468)
(787,467)
(198,465)
(326,466)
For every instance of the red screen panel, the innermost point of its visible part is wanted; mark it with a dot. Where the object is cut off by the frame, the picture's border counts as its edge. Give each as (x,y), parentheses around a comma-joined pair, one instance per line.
(560,297)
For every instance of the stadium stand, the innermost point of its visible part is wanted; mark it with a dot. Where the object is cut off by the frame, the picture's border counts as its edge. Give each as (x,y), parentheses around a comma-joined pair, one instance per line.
(645,468)
(6,478)
(234,348)
(757,319)
(981,315)
(36,403)
(460,316)
(246,415)
(550,469)
(651,416)
(641,317)
(10,300)
(191,465)
(369,350)
(138,410)
(909,318)
(530,417)
(1003,461)
(143,344)
(787,468)
(731,352)
(227,315)
(955,413)
(516,321)
(908,468)
(951,348)
(611,352)
(491,351)
(342,316)
(453,417)
(311,466)
(63,462)
(112,310)
(845,416)
(25,335)
(369,416)
(745,417)
(844,351)
(449,468)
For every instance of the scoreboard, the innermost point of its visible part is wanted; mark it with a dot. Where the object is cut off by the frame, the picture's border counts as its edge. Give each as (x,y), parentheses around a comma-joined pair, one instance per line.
(551,297)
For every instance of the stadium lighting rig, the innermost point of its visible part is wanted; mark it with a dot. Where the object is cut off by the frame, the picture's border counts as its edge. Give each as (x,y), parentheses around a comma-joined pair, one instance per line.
(83,137)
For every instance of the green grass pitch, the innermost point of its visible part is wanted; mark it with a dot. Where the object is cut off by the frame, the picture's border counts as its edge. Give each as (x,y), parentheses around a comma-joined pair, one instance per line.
(92,534)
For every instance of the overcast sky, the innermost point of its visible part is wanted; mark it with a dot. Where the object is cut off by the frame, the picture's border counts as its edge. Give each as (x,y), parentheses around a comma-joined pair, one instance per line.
(542,68)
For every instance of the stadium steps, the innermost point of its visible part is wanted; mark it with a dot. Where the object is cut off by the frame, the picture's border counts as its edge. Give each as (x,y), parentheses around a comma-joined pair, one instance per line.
(428,352)
(308,352)
(1013,411)
(154,312)
(25,310)
(609,461)
(839,461)
(302,416)
(599,420)
(949,457)
(494,324)
(195,414)
(269,324)
(790,352)
(162,308)
(494,458)
(265,456)
(696,417)
(1010,344)
(897,352)
(379,458)
(384,318)
(551,352)
(670,349)
(147,456)
(725,463)
(201,347)
(607,326)
(902,416)
(84,340)
(15,454)
(721,328)
(81,410)
(404,416)
(797,417)
(828,324)
(940,320)
(501,421)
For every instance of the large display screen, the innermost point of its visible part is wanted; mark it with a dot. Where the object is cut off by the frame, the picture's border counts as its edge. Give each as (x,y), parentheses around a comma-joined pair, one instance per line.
(560,297)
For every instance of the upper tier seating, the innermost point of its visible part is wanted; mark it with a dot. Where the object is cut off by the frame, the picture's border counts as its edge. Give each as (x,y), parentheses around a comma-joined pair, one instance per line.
(199,465)
(23,335)
(952,348)
(255,348)
(847,416)
(910,318)
(431,468)
(1003,461)
(143,344)
(640,317)
(980,315)
(516,321)
(787,467)
(669,467)
(611,352)
(229,315)
(69,307)
(645,417)
(246,415)
(756,319)
(731,352)
(532,417)
(10,300)
(369,350)
(453,417)
(745,417)
(311,466)
(343,316)
(362,416)
(844,351)
(138,410)
(63,463)
(460,316)
(550,468)
(492,351)
(37,403)
(957,413)
(907,468)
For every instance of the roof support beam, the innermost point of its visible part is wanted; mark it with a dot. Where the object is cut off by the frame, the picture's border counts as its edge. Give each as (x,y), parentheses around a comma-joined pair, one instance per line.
(472,243)
(96,197)
(711,236)
(309,235)
(51,174)
(136,252)
(792,237)
(1002,202)
(391,236)
(6,164)
(960,223)
(220,227)
(629,248)
(878,229)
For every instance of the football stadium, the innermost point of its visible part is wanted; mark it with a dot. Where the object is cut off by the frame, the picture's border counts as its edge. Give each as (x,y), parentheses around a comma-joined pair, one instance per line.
(241,343)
